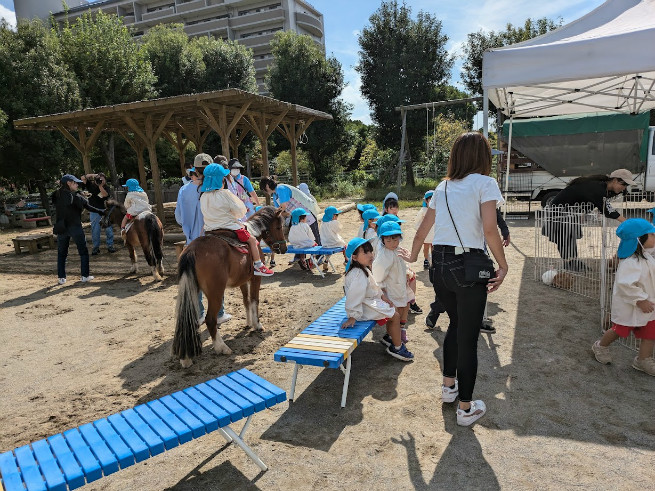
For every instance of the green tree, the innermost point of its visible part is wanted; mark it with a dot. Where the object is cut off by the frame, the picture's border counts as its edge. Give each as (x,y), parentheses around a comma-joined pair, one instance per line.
(34,80)
(401,61)
(301,74)
(478,42)
(227,64)
(464,111)
(446,130)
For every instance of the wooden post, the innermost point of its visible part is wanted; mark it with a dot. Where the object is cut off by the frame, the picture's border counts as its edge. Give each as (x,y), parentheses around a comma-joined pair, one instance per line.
(83,143)
(86,161)
(137,145)
(293,141)
(156,181)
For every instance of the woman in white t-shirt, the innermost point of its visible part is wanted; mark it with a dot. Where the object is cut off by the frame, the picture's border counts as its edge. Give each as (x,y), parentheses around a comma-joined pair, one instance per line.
(472,198)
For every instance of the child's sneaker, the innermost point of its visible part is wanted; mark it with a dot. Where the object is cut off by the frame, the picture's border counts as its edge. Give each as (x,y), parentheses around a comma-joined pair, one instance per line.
(86,279)
(426,264)
(61,281)
(386,340)
(602,353)
(224,318)
(647,365)
(487,327)
(448,394)
(401,353)
(403,335)
(272,264)
(466,418)
(310,264)
(263,271)
(415,309)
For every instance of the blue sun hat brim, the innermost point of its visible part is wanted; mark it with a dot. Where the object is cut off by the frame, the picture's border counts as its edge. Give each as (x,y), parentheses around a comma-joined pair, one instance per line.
(427,196)
(389,228)
(329,213)
(391,195)
(369,215)
(629,232)
(366,206)
(296,214)
(132,185)
(213,176)
(387,219)
(352,246)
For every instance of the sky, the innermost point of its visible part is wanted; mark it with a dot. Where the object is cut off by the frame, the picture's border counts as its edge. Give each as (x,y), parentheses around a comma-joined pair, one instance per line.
(344,19)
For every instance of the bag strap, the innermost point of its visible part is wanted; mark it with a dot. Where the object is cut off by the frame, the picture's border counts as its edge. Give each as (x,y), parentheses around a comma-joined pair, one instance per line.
(451,216)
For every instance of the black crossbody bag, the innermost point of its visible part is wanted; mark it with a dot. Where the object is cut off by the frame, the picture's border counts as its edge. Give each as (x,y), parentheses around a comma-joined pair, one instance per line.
(478,267)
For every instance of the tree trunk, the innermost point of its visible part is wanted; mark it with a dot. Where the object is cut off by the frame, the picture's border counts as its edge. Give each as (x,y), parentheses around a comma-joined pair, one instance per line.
(45,201)
(409,168)
(110,156)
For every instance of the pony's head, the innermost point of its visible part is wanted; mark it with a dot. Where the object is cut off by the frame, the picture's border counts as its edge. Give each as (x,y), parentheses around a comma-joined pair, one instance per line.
(268,224)
(115,213)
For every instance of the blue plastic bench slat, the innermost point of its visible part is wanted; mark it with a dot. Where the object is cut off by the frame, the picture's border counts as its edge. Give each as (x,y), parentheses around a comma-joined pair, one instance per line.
(269,397)
(99,448)
(257,401)
(55,480)
(11,478)
(83,454)
(318,355)
(73,472)
(220,400)
(164,432)
(218,412)
(29,469)
(210,422)
(246,406)
(155,444)
(307,358)
(280,395)
(191,420)
(183,432)
(115,442)
(129,436)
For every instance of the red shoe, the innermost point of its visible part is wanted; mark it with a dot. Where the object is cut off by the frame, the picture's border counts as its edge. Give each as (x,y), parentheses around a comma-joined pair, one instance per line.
(263,271)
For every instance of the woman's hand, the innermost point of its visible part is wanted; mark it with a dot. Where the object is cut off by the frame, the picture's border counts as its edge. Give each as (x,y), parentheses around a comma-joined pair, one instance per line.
(506,241)
(646,306)
(494,283)
(350,322)
(404,254)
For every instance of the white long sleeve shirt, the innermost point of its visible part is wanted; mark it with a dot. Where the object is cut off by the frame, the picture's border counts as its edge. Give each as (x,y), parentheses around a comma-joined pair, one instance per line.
(330,234)
(222,210)
(419,219)
(390,273)
(136,202)
(301,236)
(364,297)
(634,281)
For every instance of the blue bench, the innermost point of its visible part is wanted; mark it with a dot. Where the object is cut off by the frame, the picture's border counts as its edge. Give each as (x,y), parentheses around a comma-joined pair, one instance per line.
(82,455)
(315,252)
(325,344)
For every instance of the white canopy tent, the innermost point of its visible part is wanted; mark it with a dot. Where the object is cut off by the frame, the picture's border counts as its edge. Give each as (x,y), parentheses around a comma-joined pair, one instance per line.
(604,61)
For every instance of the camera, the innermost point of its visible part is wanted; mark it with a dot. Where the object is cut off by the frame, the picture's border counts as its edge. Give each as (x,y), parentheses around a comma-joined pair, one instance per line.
(99,180)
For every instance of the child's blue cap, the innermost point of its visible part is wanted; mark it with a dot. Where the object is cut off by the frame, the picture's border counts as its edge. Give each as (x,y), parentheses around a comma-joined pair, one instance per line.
(133,185)
(296,214)
(389,228)
(629,232)
(369,215)
(426,197)
(257,208)
(329,213)
(389,196)
(213,177)
(366,206)
(386,219)
(352,247)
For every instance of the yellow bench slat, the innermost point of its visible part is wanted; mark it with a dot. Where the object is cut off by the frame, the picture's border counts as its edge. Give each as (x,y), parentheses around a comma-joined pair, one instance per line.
(345,353)
(334,338)
(314,342)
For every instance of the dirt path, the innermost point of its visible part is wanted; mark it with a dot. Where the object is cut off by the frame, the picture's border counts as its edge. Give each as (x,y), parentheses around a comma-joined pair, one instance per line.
(557,419)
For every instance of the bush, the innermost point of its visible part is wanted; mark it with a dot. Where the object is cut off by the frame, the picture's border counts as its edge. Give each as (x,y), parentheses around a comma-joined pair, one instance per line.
(340,188)
(407,193)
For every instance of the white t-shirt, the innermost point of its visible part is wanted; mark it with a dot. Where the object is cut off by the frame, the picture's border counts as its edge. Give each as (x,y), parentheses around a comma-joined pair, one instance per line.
(390,273)
(301,236)
(364,297)
(330,234)
(221,210)
(464,197)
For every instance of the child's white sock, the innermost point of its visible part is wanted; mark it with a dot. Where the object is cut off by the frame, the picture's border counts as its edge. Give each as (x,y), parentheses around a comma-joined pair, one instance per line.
(258,264)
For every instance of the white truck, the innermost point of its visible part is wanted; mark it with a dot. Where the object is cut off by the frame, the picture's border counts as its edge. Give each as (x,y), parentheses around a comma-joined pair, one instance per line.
(559,149)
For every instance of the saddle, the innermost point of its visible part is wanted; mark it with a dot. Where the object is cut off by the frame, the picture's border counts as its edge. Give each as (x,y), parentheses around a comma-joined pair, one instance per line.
(230,237)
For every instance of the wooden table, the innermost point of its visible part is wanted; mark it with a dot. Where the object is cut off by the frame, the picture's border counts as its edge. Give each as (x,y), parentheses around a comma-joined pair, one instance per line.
(33,242)
(27,218)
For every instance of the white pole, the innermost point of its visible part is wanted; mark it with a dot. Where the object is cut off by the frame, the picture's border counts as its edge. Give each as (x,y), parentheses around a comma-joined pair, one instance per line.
(509,157)
(485,113)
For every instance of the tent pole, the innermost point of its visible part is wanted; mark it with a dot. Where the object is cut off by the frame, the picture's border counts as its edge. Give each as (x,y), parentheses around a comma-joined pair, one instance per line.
(485,113)
(509,157)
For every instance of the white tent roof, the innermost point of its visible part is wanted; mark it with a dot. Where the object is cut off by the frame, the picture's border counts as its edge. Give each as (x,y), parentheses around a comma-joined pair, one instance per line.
(604,61)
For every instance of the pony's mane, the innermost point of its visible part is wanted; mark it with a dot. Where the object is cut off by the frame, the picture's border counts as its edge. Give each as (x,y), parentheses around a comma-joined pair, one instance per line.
(261,220)
(112,202)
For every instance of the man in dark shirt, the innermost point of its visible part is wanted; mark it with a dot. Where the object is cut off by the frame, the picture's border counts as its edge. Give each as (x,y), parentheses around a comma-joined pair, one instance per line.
(564,228)
(96,185)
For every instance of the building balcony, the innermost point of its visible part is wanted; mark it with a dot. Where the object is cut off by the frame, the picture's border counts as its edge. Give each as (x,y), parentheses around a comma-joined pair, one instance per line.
(128,19)
(209,26)
(310,24)
(263,64)
(275,16)
(157,14)
(189,6)
(255,42)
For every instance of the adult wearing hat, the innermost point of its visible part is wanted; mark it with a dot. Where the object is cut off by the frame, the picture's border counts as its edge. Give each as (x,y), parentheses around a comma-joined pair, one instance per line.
(69,205)
(96,184)
(564,228)
(241,187)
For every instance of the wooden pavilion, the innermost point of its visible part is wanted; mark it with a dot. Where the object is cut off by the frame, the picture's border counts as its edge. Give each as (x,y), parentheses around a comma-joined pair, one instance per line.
(232,113)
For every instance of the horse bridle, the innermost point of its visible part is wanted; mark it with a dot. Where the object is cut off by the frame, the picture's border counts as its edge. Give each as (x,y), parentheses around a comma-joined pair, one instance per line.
(274,245)
(106,219)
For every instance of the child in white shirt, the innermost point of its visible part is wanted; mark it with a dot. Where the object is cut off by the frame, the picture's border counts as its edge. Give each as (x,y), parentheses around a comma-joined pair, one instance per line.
(427,242)
(366,301)
(136,201)
(330,229)
(301,235)
(368,227)
(361,209)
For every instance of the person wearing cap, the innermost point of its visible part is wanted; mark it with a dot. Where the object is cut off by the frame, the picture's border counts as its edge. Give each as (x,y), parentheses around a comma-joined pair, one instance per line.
(368,227)
(300,235)
(241,187)
(365,300)
(330,231)
(390,204)
(136,202)
(595,190)
(361,208)
(69,206)
(221,210)
(633,295)
(96,184)
(427,245)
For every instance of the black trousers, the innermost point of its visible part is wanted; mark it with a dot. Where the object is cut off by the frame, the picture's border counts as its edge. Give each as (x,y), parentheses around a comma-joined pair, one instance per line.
(464,302)
(63,241)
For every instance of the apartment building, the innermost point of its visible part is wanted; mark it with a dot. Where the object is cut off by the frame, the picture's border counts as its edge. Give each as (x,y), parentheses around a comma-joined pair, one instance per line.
(249,22)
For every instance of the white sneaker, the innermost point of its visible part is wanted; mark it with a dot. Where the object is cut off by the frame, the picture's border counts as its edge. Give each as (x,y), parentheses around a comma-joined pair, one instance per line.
(224,318)
(86,279)
(448,394)
(602,353)
(464,418)
(61,281)
(647,365)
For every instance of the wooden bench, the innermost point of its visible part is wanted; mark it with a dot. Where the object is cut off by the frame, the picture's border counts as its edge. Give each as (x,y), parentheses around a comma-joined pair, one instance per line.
(82,455)
(314,252)
(32,222)
(33,242)
(325,344)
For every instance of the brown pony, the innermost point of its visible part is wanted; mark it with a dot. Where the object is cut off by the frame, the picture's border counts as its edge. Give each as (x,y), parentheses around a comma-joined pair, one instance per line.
(146,231)
(210,264)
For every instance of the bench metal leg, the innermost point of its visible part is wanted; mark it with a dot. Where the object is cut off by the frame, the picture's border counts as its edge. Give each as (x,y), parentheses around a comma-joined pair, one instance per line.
(293,381)
(318,267)
(249,451)
(225,435)
(330,263)
(245,427)
(346,381)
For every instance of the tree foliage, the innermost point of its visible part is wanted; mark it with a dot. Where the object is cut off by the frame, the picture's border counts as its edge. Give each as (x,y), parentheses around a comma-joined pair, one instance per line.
(227,64)
(301,74)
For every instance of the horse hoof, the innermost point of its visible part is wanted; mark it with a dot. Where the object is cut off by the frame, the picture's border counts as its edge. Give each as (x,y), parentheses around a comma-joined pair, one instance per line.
(186,362)
(222,350)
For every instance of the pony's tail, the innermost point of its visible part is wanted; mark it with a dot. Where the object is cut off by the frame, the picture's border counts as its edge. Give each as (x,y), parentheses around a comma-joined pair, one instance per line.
(186,341)
(155,237)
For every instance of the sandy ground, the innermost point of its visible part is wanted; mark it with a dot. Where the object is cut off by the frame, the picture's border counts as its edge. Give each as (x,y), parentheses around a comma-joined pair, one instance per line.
(557,419)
